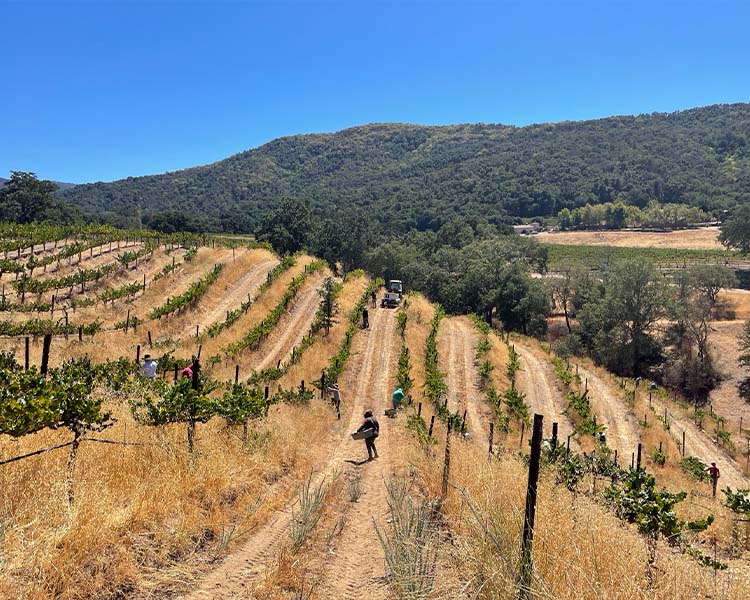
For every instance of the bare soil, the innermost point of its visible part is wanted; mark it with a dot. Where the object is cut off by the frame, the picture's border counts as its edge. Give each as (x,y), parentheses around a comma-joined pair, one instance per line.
(537,381)
(612,411)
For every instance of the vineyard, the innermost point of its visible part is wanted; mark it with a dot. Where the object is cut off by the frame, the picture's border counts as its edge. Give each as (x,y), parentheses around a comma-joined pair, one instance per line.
(231,474)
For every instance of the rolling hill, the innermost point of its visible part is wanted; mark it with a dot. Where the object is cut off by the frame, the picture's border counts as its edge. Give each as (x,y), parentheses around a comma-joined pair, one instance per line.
(420,176)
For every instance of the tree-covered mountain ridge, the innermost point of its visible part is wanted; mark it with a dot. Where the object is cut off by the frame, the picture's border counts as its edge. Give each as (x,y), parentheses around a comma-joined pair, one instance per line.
(414,176)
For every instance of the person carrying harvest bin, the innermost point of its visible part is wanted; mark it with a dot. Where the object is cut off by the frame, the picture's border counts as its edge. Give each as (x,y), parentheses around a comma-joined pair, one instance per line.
(368,431)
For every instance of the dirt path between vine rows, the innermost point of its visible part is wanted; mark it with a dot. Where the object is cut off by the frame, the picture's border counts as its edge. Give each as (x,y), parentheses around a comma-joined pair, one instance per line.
(234,294)
(457,344)
(536,381)
(622,432)
(290,331)
(368,377)
(699,444)
(358,564)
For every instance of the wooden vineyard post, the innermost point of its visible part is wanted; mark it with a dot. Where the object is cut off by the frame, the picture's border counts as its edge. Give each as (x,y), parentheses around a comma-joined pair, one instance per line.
(127,321)
(432,424)
(26,353)
(463,423)
(138,354)
(615,456)
(150,342)
(236,374)
(632,460)
(554,435)
(524,591)
(523,430)
(683,444)
(80,333)
(196,330)
(322,384)
(419,409)
(175,372)
(492,435)
(45,353)
(638,460)
(446,463)
(568,445)
(265,393)
(200,348)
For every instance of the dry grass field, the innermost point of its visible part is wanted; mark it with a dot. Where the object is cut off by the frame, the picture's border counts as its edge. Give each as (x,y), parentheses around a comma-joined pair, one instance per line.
(704,238)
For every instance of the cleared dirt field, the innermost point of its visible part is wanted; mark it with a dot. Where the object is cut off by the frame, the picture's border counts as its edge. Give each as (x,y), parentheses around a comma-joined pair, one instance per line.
(705,238)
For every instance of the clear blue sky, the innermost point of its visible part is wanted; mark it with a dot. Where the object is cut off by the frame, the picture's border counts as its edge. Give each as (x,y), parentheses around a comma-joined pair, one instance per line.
(100,90)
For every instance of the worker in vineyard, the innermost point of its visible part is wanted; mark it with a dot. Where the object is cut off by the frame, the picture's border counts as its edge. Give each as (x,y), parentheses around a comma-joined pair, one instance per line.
(149,367)
(187,372)
(373,297)
(371,423)
(714,474)
(336,398)
(365,318)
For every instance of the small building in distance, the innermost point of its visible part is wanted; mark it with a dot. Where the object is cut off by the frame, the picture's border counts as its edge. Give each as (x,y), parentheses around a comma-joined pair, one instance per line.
(527,228)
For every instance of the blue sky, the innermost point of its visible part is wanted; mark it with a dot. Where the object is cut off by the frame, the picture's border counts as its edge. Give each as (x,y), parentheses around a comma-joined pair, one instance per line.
(99,90)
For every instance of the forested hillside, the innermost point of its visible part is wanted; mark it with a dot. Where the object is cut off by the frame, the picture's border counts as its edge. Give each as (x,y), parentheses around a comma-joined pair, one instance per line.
(410,176)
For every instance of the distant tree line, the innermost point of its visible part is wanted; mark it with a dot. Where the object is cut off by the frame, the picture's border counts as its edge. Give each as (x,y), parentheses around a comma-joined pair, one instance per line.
(617,215)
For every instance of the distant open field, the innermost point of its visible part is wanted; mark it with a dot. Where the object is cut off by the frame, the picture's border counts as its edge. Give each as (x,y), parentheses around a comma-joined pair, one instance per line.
(705,238)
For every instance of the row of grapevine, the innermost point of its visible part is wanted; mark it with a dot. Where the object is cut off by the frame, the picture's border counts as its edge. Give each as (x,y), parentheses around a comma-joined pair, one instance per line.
(330,291)
(338,361)
(40,327)
(192,294)
(81,277)
(233,315)
(258,333)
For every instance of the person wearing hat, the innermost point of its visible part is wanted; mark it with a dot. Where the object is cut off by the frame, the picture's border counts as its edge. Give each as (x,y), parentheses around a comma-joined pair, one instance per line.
(149,367)
(371,423)
(336,398)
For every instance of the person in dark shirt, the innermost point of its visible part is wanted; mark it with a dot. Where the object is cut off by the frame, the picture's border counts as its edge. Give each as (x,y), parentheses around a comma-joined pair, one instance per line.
(365,319)
(370,423)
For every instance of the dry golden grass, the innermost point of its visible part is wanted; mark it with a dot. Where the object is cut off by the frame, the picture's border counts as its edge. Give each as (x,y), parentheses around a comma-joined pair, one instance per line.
(704,238)
(146,518)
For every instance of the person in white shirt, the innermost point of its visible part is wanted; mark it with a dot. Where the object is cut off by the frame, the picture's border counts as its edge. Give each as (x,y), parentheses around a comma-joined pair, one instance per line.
(336,398)
(149,367)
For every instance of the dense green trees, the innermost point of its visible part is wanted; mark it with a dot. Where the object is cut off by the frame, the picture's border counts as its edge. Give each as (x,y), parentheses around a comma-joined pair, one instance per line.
(735,231)
(24,199)
(413,177)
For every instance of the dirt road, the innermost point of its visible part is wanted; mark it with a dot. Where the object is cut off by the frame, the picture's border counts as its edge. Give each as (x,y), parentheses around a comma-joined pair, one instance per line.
(353,573)
(623,433)
(537,381)
(457,342)
(292,328)
(368,377)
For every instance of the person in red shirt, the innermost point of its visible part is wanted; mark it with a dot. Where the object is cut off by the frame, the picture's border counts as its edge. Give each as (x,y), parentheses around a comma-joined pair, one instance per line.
(714,473)
(187,371)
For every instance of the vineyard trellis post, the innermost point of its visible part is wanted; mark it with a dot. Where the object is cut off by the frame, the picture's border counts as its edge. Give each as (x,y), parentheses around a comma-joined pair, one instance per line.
(446,463)
(26,353)
(526,567)
(638,462)
(45,353)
